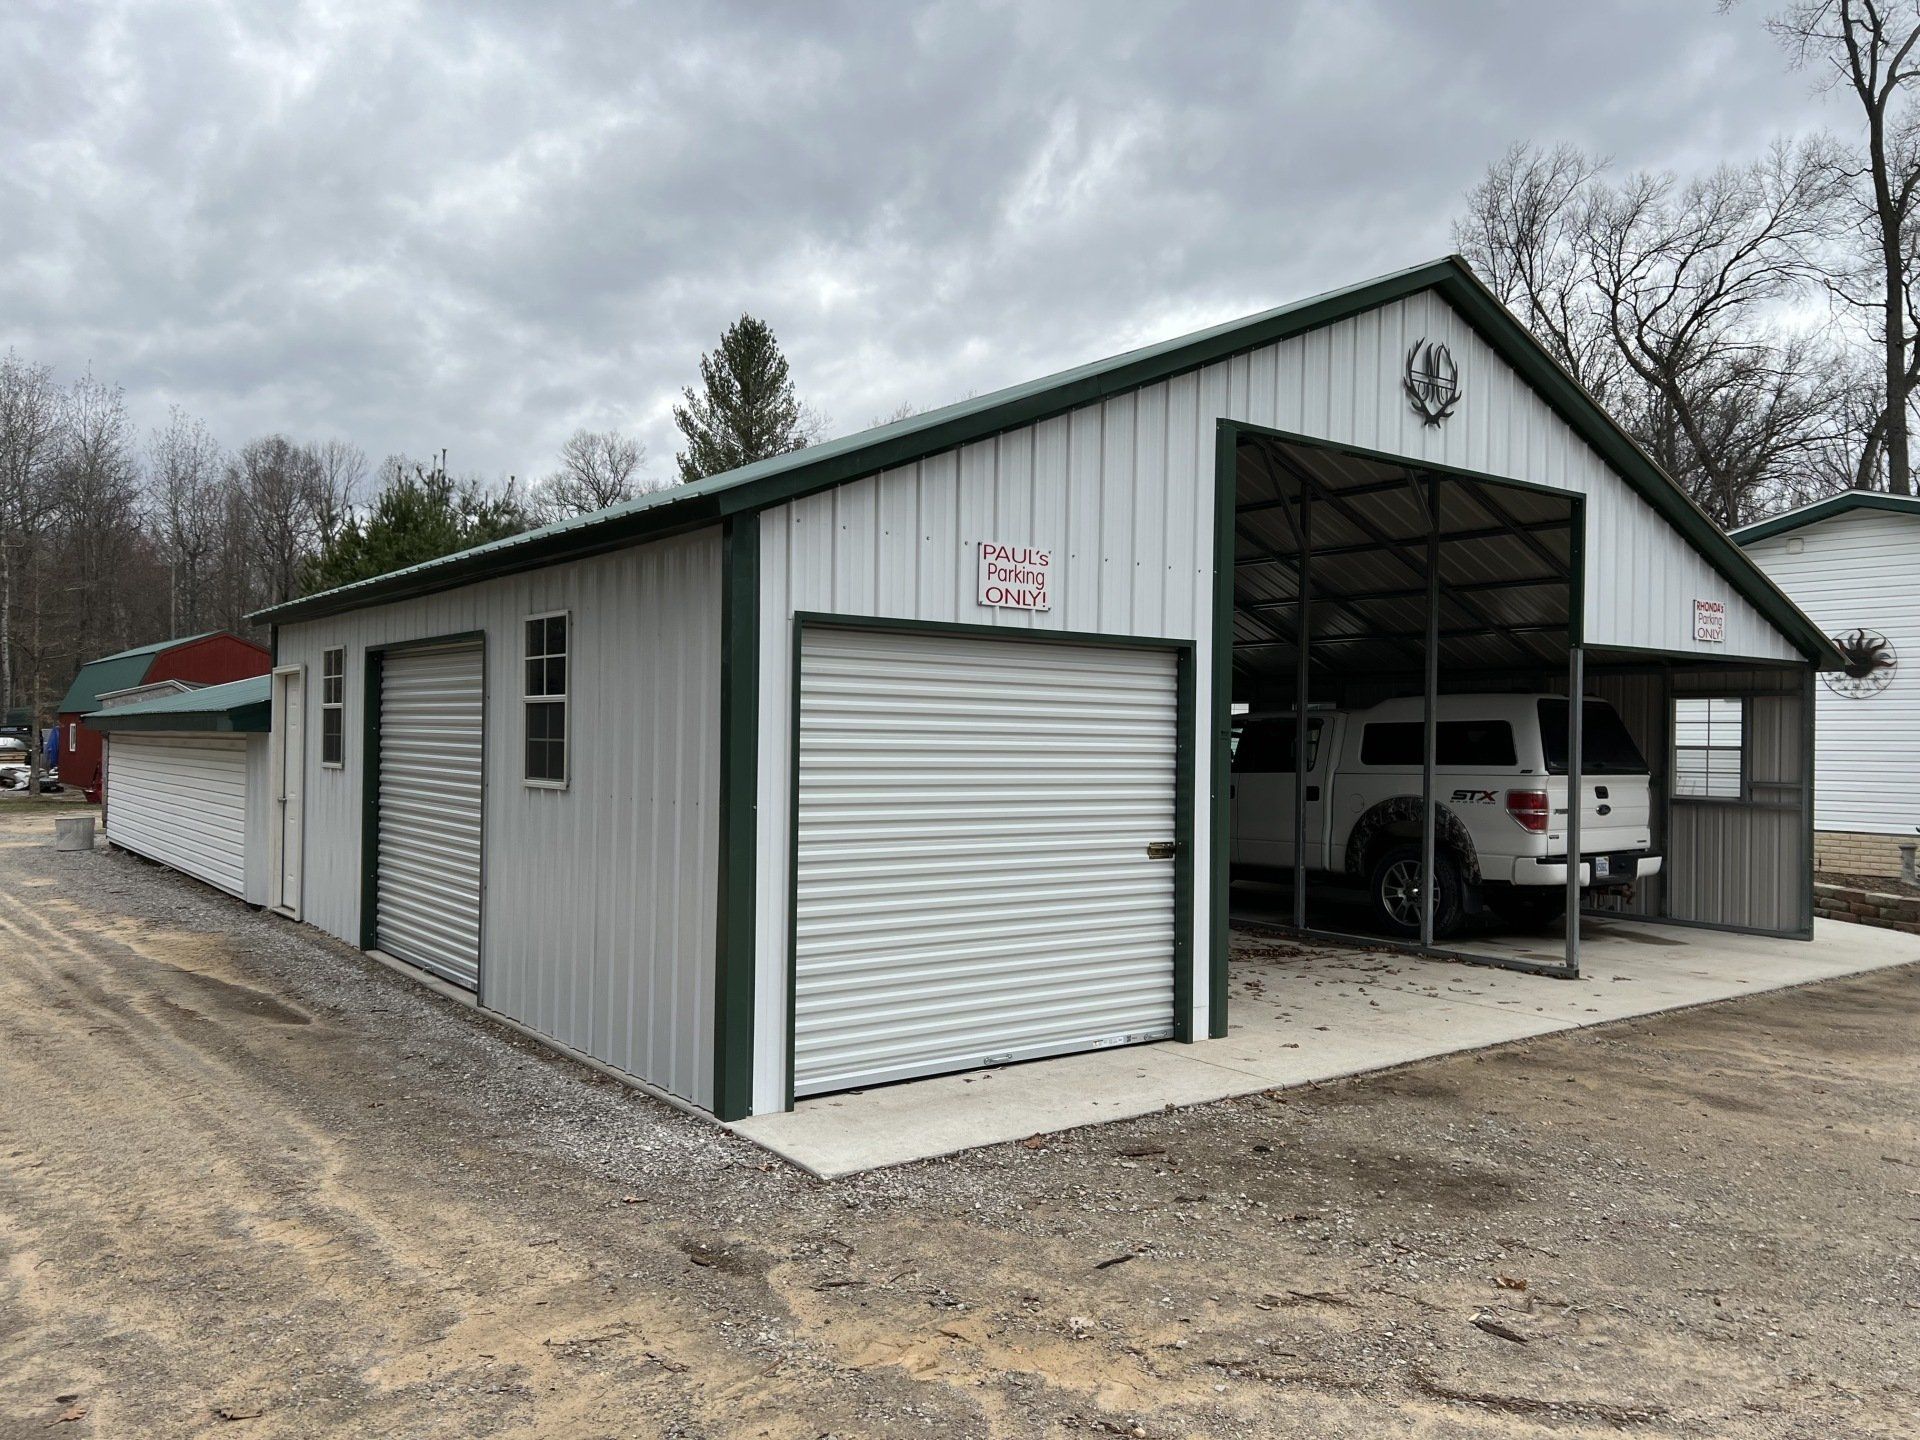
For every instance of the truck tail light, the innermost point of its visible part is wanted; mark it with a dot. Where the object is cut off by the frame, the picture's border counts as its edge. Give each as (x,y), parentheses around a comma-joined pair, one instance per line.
(1529,809)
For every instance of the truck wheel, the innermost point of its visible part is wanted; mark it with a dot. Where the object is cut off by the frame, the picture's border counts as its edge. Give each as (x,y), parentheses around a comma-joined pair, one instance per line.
(1396,893)
(1534,907)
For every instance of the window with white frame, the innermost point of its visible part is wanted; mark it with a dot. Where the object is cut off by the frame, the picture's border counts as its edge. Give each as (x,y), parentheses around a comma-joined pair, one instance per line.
(333,708)
(545,668)
(1709,749)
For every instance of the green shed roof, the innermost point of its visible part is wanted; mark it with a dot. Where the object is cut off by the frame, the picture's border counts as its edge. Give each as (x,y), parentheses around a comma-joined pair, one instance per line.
(120,671)
(819,467)
(238,705)
(1841,504)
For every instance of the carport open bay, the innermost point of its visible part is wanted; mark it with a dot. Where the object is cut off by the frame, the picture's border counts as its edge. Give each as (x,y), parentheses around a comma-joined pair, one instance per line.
(246,1172)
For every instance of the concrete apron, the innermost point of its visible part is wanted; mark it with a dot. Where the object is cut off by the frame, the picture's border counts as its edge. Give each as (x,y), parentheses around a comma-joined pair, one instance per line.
(1305,1014)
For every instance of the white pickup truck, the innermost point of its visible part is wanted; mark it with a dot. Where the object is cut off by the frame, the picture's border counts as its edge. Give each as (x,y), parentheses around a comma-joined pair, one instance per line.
(1501,787)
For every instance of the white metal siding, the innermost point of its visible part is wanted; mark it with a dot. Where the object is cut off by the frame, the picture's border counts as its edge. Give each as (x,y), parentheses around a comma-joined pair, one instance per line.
(432,729)
(1858,571)
(182,800)
(1122,492)
(600,918)
(973,878)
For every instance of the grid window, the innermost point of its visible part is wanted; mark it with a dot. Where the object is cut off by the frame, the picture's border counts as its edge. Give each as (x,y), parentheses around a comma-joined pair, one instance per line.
(1709,749)
(333,710)
(545,669)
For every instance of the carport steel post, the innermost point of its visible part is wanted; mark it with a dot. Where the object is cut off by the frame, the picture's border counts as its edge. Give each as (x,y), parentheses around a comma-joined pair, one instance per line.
(1226,487)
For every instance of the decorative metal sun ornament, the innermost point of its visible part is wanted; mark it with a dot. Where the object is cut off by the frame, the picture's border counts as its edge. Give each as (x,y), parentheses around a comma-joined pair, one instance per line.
(1433,381)
(1870,665)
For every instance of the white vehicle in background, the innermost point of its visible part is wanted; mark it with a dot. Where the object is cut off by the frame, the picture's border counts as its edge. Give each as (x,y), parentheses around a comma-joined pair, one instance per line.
(1501,788)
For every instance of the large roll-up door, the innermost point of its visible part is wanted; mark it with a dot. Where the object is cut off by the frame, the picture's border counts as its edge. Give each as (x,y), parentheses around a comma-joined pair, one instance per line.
(182,800)
(430,798)
(974,881)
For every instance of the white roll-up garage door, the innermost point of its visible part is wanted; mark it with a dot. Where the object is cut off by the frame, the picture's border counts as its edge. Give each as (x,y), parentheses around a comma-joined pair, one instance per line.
(182,800)
(974,883)
(431,728)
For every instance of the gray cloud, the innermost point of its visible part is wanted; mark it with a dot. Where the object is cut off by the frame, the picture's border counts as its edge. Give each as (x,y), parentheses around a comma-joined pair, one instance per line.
(480,227)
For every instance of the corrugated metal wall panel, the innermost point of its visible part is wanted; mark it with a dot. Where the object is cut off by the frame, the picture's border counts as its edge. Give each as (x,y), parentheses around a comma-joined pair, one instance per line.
(973,882)
(432,730)
(182,800)
(1852,572)
(599,920)
(1122,492)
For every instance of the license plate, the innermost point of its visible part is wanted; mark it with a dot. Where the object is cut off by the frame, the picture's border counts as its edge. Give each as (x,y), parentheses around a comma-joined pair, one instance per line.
(1602,867)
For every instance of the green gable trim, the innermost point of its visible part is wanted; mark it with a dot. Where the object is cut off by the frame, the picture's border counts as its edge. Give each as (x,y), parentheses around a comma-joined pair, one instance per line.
(1826,509)
(819,467)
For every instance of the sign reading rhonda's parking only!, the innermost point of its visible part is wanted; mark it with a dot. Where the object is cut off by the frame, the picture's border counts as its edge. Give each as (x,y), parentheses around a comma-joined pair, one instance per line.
(1015,577)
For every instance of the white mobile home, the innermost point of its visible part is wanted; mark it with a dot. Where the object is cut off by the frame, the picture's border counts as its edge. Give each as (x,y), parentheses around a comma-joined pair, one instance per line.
(1852,562)
(910,752)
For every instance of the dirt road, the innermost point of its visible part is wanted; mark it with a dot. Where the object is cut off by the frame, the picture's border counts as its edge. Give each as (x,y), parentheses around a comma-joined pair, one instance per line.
(253,1185)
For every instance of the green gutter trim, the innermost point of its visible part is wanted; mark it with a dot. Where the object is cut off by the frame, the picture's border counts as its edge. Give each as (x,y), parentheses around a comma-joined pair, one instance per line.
(734,946)
(250,720)
(1826,509)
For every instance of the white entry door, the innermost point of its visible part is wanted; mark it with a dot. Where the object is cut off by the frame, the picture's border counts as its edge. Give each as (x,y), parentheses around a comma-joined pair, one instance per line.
(985,862)
(287,758)
(431,751)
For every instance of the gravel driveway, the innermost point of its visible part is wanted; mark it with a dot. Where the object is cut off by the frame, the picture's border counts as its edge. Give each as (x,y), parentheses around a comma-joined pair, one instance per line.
(252,1184)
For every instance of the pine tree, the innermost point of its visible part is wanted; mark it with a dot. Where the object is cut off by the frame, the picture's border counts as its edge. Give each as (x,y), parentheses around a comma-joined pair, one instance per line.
(416,517)
(746,410)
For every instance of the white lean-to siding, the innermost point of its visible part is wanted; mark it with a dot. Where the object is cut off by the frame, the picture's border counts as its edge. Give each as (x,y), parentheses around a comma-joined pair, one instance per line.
(1860,570)
(182,800)
(1122,493)
(599,916)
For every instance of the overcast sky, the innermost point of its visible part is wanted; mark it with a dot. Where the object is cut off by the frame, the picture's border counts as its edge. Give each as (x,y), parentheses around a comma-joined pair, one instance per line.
(481,226)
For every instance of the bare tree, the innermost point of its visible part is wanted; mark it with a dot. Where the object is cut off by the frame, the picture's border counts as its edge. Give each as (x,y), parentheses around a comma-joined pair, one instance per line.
(279,485)
(1869,46)
(1666,301)
(1525,233)
(339,470)
(598,468)
(184,485)
(98,481)
(30,420)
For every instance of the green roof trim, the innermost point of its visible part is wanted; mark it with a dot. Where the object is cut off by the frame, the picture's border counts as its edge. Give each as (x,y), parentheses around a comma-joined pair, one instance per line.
(818,467)
(121,670)
(240,706)
(1841,504)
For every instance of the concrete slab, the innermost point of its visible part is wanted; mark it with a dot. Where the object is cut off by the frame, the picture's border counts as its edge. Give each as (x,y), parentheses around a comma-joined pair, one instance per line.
(1302,1014)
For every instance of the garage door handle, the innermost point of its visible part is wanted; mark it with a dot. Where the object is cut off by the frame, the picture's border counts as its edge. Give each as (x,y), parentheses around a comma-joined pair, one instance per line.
(1162,849)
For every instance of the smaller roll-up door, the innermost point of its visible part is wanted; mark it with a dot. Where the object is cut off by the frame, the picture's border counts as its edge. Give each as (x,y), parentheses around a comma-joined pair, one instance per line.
(431,733)
(985,867)
(182,800)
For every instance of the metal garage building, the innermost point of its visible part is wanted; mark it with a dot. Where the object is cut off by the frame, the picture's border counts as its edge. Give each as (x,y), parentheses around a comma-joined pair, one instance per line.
(908,752)
(188,785)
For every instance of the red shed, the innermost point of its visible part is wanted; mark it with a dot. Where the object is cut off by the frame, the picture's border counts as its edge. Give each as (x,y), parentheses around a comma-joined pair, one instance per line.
(192,660)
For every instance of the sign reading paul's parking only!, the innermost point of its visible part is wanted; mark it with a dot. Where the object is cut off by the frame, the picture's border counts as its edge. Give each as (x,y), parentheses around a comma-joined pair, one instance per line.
(1015,577)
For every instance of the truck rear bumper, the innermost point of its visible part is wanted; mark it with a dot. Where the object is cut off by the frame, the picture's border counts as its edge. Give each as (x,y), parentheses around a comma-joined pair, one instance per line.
(1622,870)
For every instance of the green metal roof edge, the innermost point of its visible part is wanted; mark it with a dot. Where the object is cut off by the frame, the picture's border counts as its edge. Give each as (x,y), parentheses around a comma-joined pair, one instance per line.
(803,472)
(818,467)
(1818,510)
(240,705)
(117,672)
(81,699)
